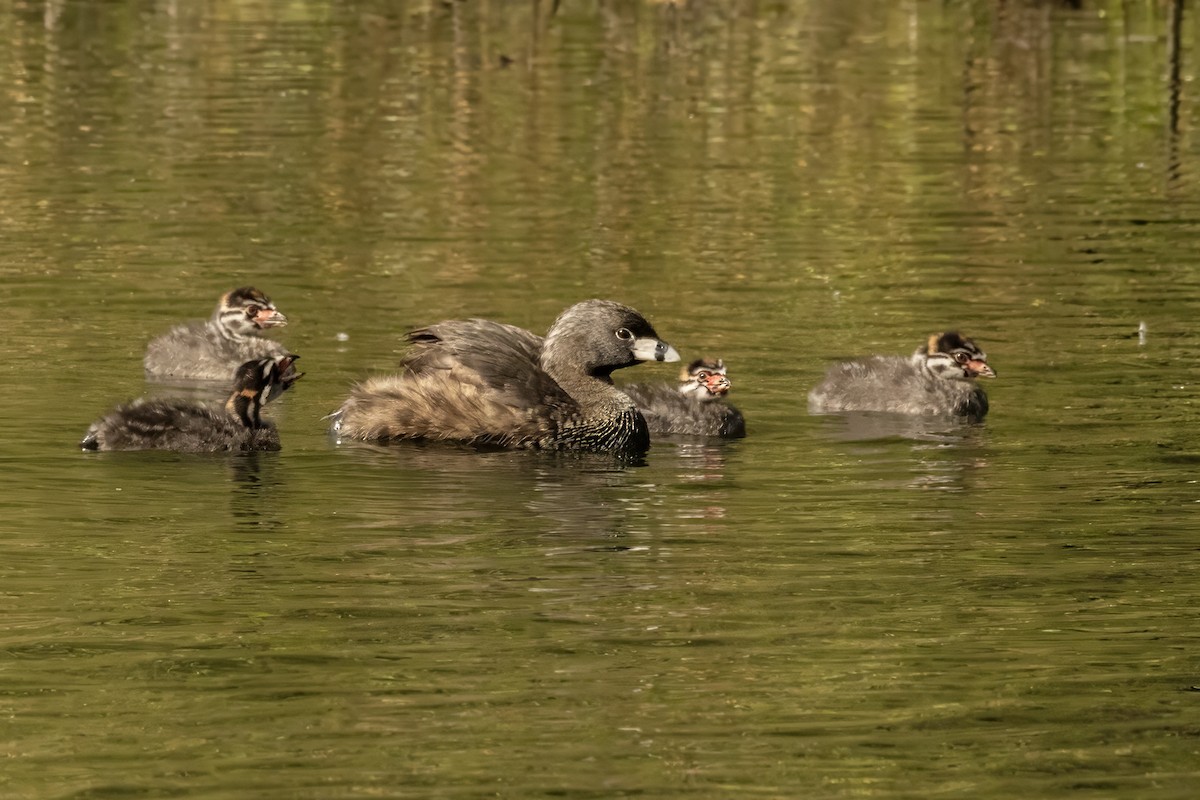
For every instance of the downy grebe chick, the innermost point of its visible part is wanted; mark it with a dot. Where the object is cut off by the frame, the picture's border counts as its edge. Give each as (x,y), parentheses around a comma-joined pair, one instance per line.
(694,407)
(190,426)
(213,350)
(482,382)
(939,378)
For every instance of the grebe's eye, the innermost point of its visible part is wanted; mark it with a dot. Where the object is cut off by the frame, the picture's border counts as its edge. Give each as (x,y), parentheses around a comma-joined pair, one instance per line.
(252,310)
(624,334)
(701,375)
(962,358)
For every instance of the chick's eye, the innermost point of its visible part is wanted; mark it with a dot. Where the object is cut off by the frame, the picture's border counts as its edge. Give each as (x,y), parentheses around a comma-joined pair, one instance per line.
(624,333)
(252,310)
(701,375)
(962,358)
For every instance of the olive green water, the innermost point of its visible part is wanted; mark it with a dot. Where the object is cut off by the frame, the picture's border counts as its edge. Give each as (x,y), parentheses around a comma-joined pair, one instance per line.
(830,608)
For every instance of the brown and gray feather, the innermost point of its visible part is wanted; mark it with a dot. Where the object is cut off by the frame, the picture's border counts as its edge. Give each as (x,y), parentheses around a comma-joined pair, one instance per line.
(482,382)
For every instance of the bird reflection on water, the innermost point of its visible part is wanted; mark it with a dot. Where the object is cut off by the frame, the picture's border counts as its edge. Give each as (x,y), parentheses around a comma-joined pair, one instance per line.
(701,464)
(256,502)
(932,452)
(865,426)
(589,498)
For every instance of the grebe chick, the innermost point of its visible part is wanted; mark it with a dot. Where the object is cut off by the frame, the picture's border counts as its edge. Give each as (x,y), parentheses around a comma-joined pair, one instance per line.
(939,378)
(694,407)
(214,349)
(191,426)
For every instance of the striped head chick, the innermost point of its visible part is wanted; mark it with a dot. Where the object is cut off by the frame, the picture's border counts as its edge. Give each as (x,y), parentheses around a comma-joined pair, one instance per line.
(246,312)
(255,383)
(952,356)
(704,379)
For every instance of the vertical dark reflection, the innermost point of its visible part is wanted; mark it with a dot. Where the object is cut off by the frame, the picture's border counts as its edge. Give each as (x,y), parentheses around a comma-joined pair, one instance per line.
(1174,90)
(255,487)
(972,60)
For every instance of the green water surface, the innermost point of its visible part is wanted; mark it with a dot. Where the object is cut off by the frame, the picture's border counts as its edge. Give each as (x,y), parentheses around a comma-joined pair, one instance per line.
(830,608)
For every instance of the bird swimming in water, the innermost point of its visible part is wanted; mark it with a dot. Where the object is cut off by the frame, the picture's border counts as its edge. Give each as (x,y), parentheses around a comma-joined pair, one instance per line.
(192,426)
(213,350)
(695,406)
(487,383)
(939,378)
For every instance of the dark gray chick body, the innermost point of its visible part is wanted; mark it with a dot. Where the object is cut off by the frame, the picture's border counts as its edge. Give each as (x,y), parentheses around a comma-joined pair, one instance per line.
(191,426)
(693,407)
(938,379)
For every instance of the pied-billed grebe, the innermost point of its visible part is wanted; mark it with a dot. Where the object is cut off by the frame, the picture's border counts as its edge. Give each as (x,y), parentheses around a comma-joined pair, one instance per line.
(694,407)
(482,382)
(190,426)
(939,378)
(214,349)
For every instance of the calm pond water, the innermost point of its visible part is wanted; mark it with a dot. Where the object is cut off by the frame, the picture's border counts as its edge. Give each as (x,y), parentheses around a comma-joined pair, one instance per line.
(829,608)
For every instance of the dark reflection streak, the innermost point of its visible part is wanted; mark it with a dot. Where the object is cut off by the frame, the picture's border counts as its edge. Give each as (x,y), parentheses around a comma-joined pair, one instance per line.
(1174,90)
(461,115)
(535,33)
(534,140)
(252,487)
(968,85)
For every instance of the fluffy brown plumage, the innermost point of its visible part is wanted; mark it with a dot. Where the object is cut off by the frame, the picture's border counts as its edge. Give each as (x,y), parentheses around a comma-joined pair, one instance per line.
(482,382)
